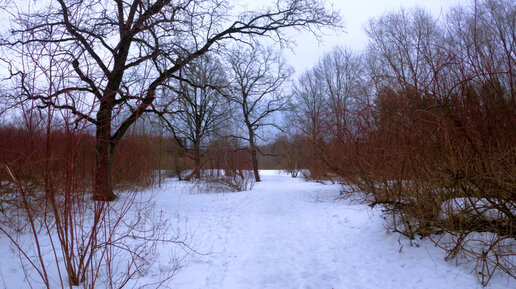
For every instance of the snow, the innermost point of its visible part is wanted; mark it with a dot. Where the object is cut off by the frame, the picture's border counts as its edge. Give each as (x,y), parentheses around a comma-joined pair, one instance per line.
(288,233)
(482,207)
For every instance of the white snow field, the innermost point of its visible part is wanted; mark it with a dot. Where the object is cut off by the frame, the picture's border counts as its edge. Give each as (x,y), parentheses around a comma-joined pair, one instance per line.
(289,233)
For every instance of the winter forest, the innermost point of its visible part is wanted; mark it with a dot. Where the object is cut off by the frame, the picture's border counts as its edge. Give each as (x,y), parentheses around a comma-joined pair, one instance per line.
(170,144)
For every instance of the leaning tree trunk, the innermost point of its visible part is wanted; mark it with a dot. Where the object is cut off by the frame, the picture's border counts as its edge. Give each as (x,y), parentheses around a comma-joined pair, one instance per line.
(103,186)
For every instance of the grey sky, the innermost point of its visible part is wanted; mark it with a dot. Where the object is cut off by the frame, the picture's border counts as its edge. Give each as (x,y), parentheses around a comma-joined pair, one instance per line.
(356,13)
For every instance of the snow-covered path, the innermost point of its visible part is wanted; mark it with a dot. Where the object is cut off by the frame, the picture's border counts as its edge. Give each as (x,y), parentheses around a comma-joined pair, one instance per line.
(288,233)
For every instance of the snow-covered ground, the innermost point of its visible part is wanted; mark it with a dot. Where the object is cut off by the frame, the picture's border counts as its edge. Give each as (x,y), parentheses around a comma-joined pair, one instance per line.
(289,233)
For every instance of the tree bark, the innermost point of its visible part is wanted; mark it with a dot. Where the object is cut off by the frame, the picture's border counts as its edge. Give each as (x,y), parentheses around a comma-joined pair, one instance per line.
(197,159)
(254,157)
(103,186)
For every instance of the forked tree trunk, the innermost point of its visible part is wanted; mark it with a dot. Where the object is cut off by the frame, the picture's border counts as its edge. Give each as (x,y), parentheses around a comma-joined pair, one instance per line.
(103,186)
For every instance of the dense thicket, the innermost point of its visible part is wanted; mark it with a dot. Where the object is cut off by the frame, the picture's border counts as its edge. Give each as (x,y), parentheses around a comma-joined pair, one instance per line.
(427,129)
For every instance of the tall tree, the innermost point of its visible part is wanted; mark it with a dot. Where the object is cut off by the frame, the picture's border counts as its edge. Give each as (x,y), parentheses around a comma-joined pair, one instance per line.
(342,76)
(401,50)
(114,56)
(257,78)
(323,101)
(200,107)
(307,109)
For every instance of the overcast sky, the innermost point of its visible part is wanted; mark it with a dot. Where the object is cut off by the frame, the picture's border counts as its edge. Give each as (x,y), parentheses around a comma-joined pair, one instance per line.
(355,13)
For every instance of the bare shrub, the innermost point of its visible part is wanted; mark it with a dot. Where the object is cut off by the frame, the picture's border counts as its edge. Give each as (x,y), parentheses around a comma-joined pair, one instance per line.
(62,237)
(230,168)
(91,243)
(234,181)
(433,146)
(440,159)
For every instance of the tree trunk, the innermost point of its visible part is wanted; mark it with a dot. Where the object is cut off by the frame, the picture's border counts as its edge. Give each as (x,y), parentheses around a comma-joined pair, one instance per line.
(197,160)
(255,165)
(102,186)
(254,157)
(316,169)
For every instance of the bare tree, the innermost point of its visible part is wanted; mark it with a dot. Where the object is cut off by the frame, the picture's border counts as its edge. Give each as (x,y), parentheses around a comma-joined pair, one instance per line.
(257,78)
(323,103)
(482,43)
(114,56)
(200,108)
(403,49)
(307,107)
(342,74)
